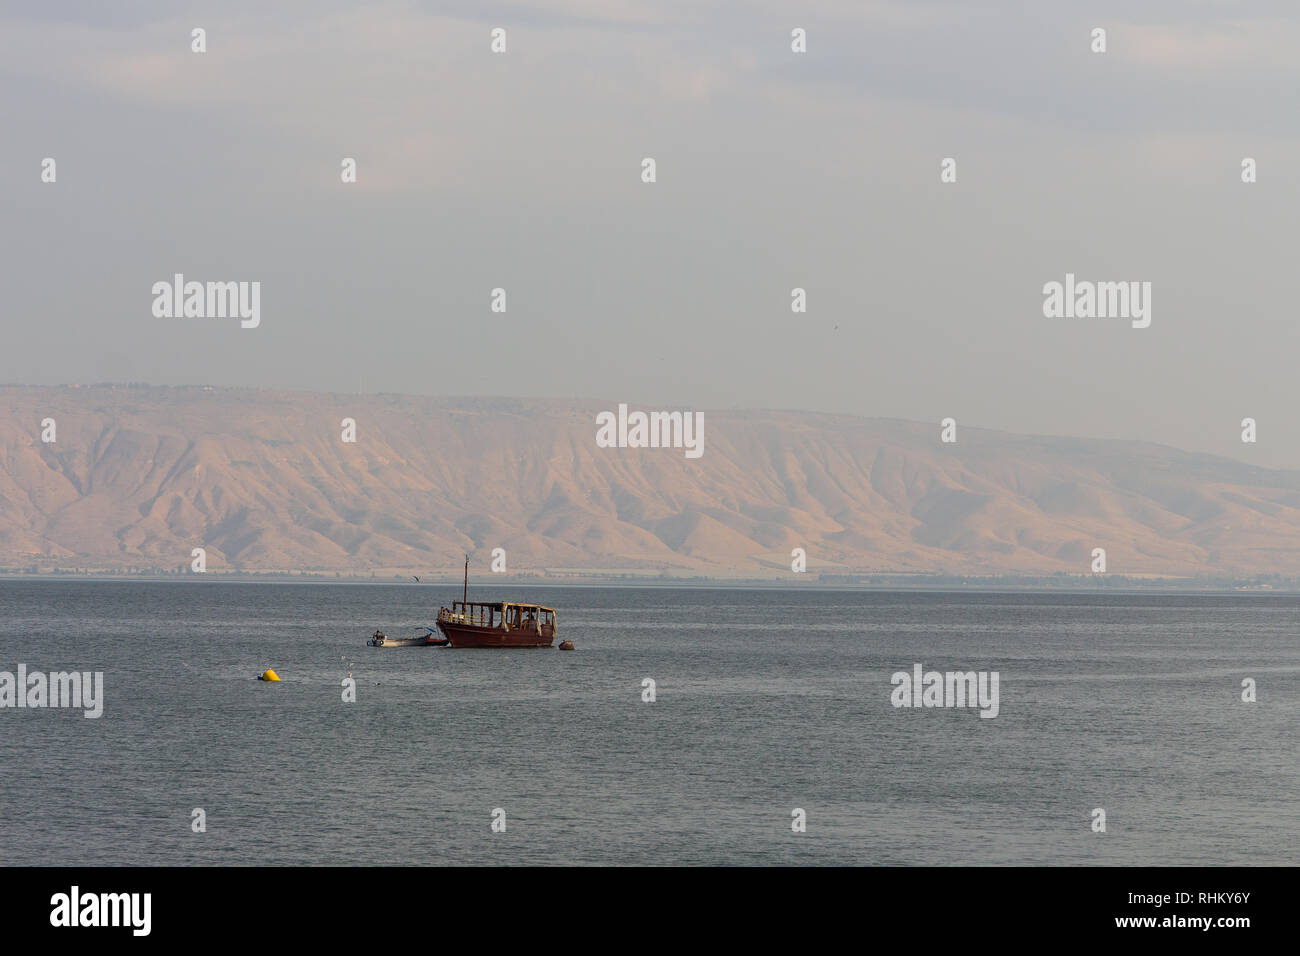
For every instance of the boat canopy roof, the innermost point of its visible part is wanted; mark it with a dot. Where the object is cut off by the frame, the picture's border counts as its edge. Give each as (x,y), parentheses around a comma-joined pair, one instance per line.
(499,605)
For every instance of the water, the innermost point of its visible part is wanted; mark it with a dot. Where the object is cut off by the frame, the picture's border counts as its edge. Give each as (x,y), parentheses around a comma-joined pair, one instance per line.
(767,701)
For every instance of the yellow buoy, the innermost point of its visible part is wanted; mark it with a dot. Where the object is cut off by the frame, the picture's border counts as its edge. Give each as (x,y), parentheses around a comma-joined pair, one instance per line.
(269,675)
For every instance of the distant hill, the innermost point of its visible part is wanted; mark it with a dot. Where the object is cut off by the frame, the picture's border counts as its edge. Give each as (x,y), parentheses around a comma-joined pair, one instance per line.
(139,476)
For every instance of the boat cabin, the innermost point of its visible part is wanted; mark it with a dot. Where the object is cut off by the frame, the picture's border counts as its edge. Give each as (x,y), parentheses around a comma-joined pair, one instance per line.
(502,615)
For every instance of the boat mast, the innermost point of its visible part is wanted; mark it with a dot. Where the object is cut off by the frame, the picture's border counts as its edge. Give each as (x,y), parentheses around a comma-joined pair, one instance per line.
(464,598)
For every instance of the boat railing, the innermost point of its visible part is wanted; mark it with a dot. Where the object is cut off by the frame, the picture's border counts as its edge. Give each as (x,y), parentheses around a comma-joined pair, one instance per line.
(478,617)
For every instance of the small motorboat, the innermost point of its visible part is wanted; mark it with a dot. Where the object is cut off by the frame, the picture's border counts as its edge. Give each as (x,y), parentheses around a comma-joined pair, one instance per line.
(423,639)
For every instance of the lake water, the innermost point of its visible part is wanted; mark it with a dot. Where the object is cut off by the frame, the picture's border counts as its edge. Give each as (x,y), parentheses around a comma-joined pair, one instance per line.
(767,701)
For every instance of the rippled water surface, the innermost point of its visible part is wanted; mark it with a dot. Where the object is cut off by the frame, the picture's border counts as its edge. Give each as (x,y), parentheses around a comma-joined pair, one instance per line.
(767,701)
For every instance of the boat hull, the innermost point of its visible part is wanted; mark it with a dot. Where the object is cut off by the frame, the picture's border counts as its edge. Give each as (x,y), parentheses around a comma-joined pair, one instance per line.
(468,635)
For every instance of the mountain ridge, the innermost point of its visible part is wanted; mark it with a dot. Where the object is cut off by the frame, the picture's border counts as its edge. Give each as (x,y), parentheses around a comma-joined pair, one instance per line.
(138,476)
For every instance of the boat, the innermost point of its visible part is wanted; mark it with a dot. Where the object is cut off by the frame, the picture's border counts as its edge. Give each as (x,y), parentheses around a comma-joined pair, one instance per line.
(380,639)
(496,623)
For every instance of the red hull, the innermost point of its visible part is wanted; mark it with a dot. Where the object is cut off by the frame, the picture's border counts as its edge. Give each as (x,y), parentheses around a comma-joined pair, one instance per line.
(467,635)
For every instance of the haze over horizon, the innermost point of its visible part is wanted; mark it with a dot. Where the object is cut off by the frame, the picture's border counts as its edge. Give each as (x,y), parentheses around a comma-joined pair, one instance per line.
(775,170)
(611,403)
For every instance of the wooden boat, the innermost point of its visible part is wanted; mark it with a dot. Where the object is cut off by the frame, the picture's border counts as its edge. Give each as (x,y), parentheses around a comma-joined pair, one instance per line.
(496,624)
(499,624)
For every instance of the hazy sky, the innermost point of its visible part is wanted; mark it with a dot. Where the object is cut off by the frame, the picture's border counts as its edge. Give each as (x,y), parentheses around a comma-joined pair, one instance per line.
(775,170)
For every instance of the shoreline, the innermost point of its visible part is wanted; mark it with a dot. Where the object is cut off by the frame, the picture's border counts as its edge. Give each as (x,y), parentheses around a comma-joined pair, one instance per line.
(948,584)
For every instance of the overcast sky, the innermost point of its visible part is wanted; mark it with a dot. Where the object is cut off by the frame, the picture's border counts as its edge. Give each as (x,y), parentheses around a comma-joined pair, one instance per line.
(775,170)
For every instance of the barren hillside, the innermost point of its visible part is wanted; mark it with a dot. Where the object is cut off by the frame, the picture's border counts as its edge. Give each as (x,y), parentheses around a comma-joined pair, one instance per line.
(262,480)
